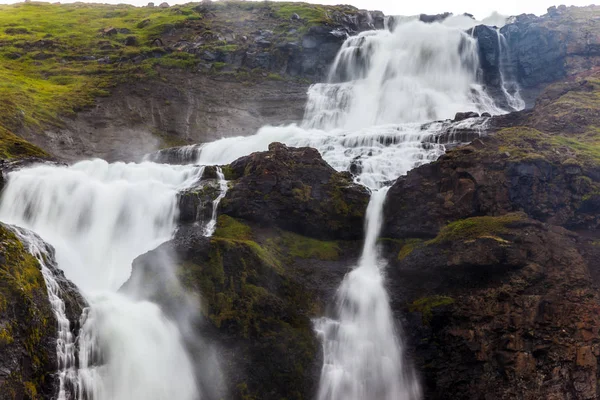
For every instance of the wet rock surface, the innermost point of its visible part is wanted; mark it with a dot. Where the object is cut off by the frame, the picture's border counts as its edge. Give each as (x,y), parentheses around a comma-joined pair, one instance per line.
(28,359)
(495,295)
(296,190)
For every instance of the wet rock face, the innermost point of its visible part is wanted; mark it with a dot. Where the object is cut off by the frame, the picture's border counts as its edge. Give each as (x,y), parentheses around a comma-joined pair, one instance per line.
(543,49)
(496,297)
(28,332)
(257,290)
(538,52)
(508,314)
(294,189)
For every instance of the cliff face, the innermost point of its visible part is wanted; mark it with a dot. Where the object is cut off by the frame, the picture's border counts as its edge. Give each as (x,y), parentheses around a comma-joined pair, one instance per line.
(492,250)
(287,231)
(495,295)
(541,50)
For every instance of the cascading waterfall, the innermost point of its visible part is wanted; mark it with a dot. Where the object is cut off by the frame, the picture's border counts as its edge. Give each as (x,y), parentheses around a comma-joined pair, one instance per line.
(508,81)
(65,344)
(373,118)
(383,87)
(99,217)
(210,227)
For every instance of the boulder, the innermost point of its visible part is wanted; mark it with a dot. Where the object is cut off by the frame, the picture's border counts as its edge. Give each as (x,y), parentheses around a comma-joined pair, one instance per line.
(296,190)
(131,41)
(110,31)
(163,5)
(461,116)
(428,19)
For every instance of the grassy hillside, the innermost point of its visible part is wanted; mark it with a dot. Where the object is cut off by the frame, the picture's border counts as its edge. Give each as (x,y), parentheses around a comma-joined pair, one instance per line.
(55,59)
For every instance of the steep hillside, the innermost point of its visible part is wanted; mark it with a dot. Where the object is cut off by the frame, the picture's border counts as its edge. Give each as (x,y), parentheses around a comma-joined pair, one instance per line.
(181,74)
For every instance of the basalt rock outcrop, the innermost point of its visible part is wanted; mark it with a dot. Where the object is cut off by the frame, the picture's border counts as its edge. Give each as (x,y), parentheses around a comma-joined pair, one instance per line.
(28,360)
(296,190)
(492,249)
(542,50)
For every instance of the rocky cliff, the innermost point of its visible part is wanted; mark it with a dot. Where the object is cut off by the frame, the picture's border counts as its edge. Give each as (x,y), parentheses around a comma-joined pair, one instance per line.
(483,272)
(491,250)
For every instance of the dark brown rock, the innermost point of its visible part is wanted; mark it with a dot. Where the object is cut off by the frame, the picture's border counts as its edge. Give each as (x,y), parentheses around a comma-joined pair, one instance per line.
(296,190)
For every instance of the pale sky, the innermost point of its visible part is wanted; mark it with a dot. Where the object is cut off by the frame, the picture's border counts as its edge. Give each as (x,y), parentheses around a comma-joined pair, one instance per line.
(479,8)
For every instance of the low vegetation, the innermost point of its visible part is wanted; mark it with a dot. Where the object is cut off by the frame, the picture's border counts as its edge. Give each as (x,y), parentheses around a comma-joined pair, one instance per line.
(477,227)
(55,59)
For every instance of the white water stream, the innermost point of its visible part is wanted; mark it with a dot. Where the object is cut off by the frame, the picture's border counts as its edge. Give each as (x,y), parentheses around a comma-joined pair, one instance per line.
(99,217)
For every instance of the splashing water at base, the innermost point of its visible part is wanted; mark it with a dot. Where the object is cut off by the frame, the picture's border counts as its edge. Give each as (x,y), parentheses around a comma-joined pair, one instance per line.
(141,353)
(362,352)
(99,217)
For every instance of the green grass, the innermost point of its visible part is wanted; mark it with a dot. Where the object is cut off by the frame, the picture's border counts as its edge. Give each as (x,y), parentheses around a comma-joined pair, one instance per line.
(231,228)
(425,306)
(476,228)
(49,53)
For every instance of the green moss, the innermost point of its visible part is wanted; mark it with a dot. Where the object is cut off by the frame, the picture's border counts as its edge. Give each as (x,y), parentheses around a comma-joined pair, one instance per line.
(307,248)
(275,77)
(425,306)
(231,228)
(302,193)
(408,247)
(229,173)
(23,297)
(6,337)
(477,227)
(30,390)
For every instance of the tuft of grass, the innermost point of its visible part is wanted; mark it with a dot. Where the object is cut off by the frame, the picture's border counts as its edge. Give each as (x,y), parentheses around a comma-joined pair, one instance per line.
(230,228)
(477,227)
(426,305)
(12,146)
(306,248)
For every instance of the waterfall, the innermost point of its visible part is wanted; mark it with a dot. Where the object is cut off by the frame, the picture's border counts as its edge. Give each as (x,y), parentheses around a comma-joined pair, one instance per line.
(508,80)
(65,344)
(383,87)
(374,119)
(361,349)
(99,217)
(210,227)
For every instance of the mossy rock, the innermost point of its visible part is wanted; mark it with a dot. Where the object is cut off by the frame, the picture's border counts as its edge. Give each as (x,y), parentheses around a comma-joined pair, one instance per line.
(27,324)
(478,227)
(426,306)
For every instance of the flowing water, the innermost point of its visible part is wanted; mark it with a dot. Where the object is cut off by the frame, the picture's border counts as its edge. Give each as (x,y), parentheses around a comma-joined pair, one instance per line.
(99,217)
(508,78)
(65,344)
(373,117)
